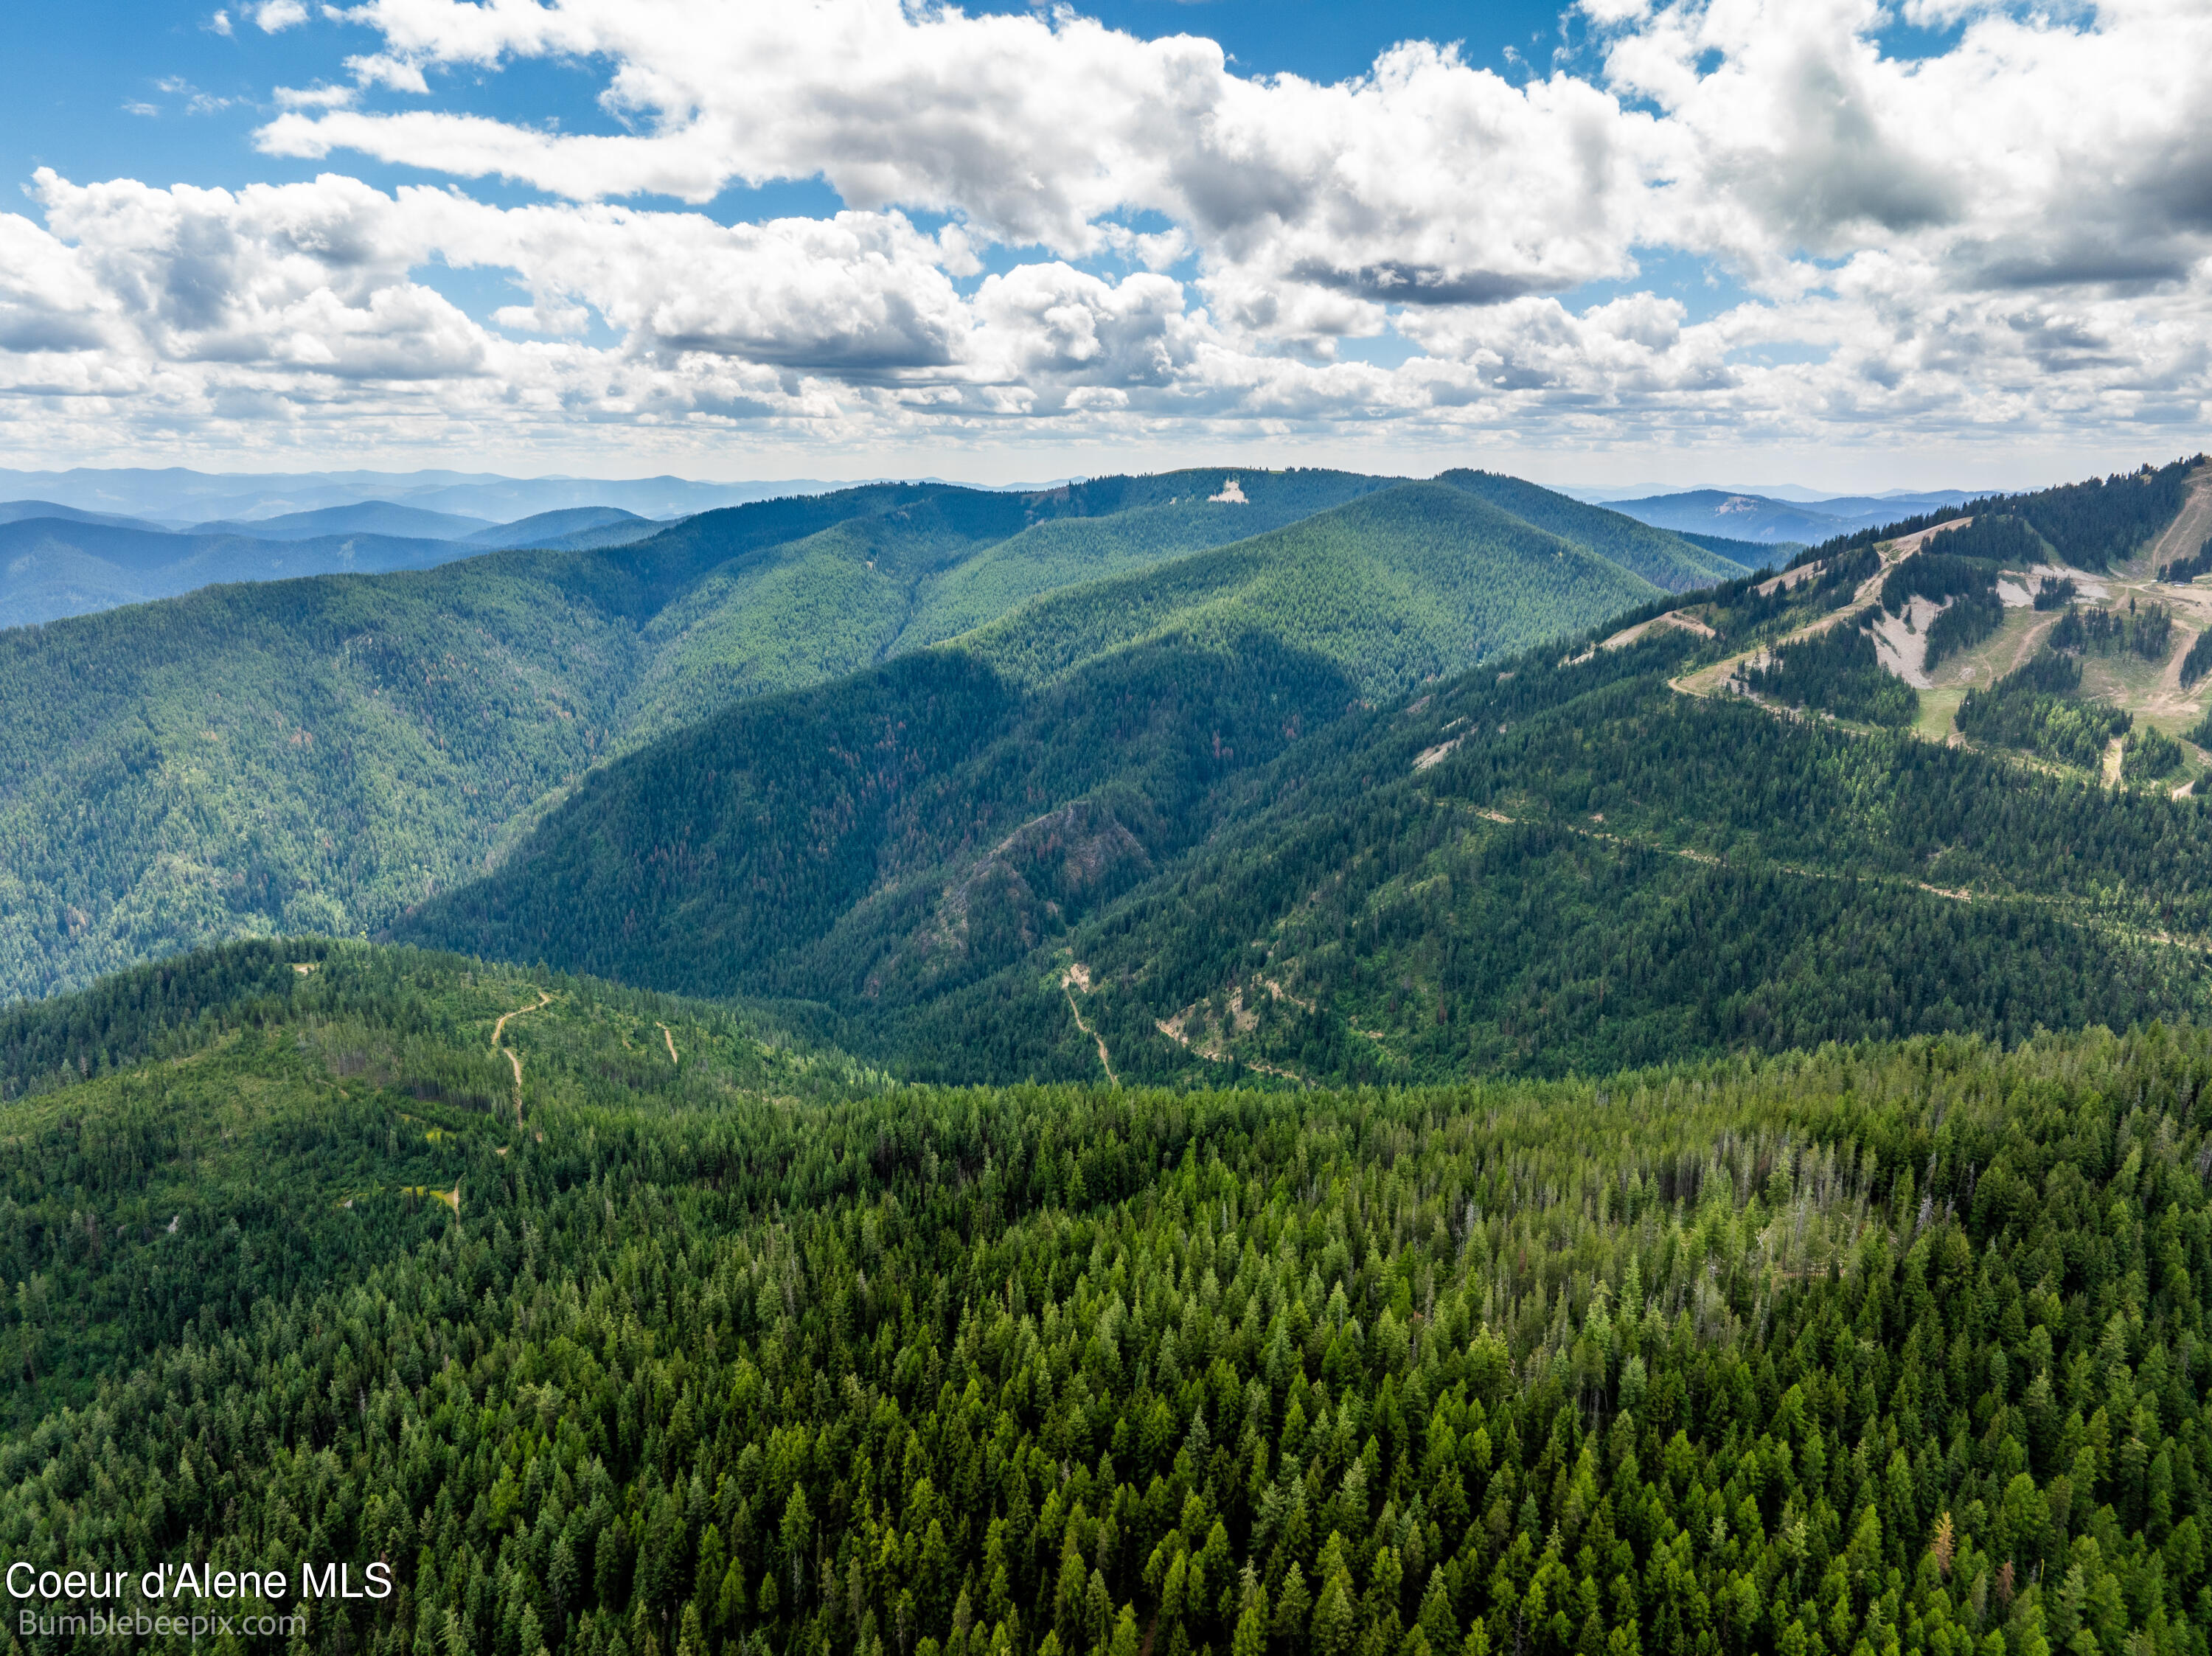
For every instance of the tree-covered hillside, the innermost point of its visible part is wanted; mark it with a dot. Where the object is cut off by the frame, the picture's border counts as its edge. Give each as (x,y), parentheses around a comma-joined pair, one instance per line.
(1655,554)
(727,1346)
(1543,865)
(1401,586)
(320,754)
(1111,526)
(894,834)
(1579,868)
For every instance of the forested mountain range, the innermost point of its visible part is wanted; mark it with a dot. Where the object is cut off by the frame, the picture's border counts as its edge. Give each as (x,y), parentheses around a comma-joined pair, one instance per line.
(1557,861)
(316,755)
(57,565)
(1617,875)
(617,1325)
(1760,1248)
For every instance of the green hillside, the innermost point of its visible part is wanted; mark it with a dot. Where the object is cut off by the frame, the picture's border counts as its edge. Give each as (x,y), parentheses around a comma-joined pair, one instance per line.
(1673,562)
(892,834)
(726,1346)
(1111,526)
(320,754)
(1400,585)
(799,611)
(301,756)
(1552,863)
(163,1098)
(1620,875)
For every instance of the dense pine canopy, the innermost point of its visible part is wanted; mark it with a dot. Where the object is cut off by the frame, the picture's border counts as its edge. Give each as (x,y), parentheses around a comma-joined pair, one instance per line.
(1557,863)
(1893,1346)
(316,755)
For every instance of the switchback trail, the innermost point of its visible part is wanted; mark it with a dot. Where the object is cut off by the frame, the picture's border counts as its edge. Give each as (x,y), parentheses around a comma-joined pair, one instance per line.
(514,1057)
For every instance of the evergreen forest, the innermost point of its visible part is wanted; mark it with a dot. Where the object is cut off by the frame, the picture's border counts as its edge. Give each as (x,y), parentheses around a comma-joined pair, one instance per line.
(751,1349)
(1836,671)
(316,755)
(1560,862)
(1260,1064)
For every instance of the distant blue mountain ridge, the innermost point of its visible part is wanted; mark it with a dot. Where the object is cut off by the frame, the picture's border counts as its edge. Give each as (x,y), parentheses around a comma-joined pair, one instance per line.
(57,560)
(358,518)
(178,498)
(1765,519)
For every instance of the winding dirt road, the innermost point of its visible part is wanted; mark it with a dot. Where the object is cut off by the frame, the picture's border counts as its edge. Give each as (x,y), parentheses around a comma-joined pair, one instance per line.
(499,1029)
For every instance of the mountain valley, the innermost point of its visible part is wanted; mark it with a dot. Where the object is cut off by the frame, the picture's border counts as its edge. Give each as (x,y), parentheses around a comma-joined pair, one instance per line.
(316,755)
(1583,858)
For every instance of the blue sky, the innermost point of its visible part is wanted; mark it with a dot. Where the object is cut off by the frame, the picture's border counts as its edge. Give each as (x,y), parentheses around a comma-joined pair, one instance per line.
(74,72)
(1612,241)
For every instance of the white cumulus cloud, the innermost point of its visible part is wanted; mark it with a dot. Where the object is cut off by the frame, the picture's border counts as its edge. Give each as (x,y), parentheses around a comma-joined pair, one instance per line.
(1053,227)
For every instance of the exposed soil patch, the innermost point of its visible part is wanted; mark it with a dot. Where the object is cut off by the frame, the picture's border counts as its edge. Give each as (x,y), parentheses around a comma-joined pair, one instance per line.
(1919,539)
(1719,679)
(1789,578)
(1901,641)
(1214,1046)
